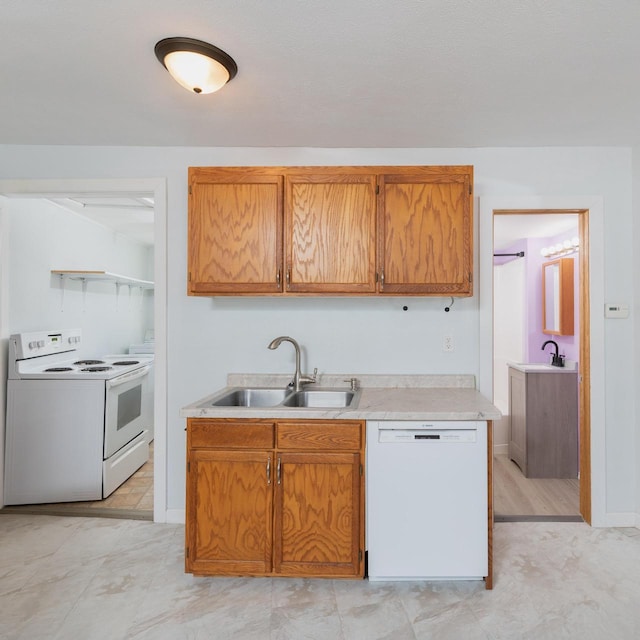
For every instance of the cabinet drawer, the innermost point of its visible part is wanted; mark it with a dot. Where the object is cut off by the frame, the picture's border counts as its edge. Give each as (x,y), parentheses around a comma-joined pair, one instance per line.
(319,436)
(229,434)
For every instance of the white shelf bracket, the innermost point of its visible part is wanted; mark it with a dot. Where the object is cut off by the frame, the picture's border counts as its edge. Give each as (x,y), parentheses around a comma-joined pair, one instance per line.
(84,294)
(62,288)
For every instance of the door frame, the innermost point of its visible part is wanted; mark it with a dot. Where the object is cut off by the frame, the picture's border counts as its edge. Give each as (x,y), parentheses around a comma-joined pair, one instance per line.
(591,365)
(54,188)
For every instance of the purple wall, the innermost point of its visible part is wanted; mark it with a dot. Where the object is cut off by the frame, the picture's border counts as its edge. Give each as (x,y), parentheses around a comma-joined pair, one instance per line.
(533,336)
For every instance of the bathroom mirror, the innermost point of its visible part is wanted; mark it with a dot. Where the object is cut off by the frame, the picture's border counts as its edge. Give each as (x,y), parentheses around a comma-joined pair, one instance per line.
(557,297)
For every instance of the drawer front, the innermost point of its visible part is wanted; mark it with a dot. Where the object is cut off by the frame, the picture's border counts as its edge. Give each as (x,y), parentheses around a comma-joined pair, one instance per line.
(229,434)
(316,435)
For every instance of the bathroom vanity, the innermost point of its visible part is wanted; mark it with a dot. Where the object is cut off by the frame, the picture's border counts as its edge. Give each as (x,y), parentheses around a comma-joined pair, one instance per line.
(543,407)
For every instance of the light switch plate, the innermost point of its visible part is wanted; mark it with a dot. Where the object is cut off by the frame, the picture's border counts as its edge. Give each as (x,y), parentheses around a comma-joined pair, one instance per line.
(613,310)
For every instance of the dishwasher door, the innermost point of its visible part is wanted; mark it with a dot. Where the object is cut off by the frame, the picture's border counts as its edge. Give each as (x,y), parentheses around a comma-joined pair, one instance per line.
(427,502)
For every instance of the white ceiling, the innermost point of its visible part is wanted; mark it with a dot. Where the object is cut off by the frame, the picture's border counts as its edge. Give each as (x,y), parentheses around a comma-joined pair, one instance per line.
(337,73)
(508,229)
(129,216)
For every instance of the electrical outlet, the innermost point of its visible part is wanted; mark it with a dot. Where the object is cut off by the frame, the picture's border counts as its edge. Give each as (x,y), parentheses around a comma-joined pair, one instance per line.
(447,343)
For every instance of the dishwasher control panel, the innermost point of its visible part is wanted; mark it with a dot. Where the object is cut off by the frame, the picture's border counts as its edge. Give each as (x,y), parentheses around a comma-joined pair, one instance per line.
(427,432)
(408,435)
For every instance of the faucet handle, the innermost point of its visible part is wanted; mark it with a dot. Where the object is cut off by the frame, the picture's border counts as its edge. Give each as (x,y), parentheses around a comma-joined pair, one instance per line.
(354,382)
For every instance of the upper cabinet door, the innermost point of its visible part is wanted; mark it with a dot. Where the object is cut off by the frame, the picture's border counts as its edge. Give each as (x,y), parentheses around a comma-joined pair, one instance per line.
(426,231)
(235,231)
(330,233)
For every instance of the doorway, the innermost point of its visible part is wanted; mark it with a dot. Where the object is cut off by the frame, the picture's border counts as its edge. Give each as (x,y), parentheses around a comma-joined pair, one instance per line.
(108,190)
(564,498)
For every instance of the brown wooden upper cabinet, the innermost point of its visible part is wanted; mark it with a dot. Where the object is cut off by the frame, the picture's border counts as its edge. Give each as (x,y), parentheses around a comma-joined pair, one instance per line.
(330,233)
(235,231)
(330,230)
(425,231)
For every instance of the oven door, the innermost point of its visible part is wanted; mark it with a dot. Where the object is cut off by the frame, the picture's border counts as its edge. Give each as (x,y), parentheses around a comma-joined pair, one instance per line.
(126,412)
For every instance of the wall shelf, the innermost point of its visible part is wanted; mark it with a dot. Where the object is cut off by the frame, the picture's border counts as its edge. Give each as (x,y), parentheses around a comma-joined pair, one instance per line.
(104,276)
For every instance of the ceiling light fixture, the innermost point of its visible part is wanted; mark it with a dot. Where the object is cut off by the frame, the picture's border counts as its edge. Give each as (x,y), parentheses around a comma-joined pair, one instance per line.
(196,65)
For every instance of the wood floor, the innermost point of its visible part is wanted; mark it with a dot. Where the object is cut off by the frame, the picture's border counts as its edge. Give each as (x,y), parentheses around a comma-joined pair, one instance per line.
(132,500)
(515,495)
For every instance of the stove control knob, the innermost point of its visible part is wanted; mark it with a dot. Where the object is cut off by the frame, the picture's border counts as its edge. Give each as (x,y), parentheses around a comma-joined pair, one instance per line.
(33,344)
(41,343)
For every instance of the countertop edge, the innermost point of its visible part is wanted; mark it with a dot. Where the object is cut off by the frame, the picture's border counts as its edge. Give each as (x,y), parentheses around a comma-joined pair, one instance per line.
(416,403)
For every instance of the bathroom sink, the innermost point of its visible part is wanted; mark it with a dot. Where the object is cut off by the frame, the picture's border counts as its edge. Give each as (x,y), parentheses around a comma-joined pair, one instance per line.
(321,398)
(248,397)
(538,367)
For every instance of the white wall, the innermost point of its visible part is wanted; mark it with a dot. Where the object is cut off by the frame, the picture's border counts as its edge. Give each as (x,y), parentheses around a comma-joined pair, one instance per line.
(42,237)
(635,315)
(207,338)
(509,290)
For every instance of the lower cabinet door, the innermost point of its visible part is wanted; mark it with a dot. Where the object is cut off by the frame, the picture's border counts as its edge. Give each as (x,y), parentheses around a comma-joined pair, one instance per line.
(229,507)
(317,528)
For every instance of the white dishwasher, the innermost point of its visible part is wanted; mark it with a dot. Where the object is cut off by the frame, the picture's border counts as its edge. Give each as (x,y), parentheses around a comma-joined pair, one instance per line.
(427,500)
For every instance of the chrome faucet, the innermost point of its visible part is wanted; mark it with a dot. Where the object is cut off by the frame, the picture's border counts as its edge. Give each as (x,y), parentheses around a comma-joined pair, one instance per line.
(298,378)
(556,360)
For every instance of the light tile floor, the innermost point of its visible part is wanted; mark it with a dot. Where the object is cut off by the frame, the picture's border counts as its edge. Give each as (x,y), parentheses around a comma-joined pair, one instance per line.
(93,578)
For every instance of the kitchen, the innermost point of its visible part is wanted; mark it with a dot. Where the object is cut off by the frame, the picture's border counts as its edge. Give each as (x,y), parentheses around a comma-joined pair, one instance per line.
(201,340)
(362,334)
(66,300)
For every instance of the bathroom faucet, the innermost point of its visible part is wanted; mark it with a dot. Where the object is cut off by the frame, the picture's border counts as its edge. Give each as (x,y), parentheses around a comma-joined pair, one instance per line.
(556,360)
(298,378)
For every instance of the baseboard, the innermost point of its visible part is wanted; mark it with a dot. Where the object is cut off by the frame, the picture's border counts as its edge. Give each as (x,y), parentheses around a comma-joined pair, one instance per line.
(629,519)
(174,516)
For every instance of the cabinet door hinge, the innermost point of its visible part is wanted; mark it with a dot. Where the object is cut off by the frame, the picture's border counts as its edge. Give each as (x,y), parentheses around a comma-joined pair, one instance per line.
(470,189)
(470,276)
(186,552)
(359,555)
(188,467)
(361,470)
(190,192)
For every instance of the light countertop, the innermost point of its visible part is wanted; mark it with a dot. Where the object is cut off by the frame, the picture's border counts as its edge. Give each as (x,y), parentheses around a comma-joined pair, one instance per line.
(382,397)
(542,368)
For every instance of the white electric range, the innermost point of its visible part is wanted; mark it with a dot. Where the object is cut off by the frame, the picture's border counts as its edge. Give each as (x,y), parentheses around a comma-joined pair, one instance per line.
(77,427)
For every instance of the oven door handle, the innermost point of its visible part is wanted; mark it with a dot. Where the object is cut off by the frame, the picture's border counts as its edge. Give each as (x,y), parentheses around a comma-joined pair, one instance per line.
(128,377)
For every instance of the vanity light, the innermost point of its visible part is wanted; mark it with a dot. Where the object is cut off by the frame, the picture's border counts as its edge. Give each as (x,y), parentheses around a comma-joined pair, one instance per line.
(561,249)
(196,65)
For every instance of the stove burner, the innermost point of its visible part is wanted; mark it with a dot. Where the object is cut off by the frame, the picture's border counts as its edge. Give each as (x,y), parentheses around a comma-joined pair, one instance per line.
(96,369)
(126,362)
(58,369)
(86,362)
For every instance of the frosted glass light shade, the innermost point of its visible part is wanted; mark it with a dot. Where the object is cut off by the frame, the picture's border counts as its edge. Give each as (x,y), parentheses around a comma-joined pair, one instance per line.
(196,65)
(196,72)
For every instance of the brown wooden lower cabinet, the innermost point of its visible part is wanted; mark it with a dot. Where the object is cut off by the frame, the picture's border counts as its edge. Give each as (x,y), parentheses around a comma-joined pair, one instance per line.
(292,508)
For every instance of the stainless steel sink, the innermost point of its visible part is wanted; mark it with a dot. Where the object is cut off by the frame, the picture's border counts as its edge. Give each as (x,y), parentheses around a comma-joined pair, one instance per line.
(321,398)
(286,398)
(247,397)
